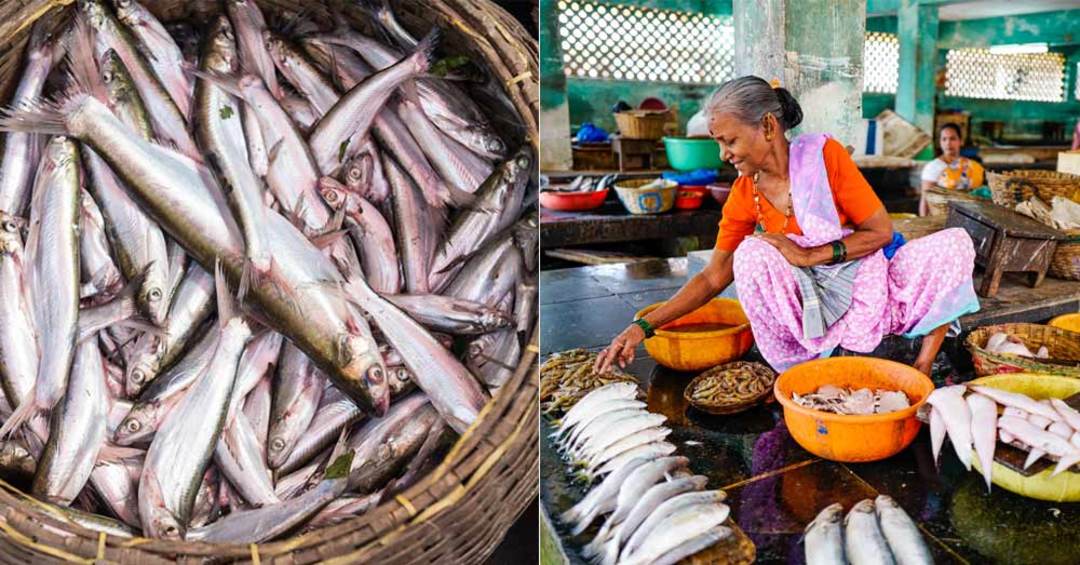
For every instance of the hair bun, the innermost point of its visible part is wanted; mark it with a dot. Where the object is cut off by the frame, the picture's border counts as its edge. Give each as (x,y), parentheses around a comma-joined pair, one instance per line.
(791,112)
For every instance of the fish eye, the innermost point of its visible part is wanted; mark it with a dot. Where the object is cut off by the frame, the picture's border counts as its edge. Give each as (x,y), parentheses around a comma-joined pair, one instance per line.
(331,195)
(154,295)
(132,425)
(137,376)
(277,444)
(9,226)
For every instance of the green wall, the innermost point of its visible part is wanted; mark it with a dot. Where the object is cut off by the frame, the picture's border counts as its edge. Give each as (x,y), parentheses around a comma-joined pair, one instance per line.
(591,100)
(1060,29)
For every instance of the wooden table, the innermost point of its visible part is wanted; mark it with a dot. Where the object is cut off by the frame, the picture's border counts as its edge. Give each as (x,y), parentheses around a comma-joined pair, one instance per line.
(625,148)
(1005,241)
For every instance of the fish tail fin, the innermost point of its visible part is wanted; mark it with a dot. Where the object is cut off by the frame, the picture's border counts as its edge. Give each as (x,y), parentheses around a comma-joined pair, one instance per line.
(424,54)
(20,416)
(228,83)
(226,303)
(83,68)
(1063,464)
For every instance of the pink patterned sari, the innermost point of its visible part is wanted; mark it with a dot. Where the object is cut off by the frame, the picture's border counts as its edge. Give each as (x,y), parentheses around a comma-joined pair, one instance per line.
(927,283)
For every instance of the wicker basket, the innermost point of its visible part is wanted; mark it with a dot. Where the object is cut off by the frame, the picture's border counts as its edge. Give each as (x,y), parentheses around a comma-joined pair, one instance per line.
(462,509)
(1065,263)
(1064,347)
(1013,187)
(641,124)
(937,199)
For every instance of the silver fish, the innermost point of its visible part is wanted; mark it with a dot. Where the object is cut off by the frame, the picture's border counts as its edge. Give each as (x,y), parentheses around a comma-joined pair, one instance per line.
(606,490)
(573,418)
(77,430)
(983,433)
(646,474)
(449,314)
(384,446)
(257,410)
(905,540)
(677,508)
(99,273)
(459,166)
(824,537)
(192,304)
(52,259)
(864,543)
(241,460)
(355,111)
(414,243)
(651,449)
(20,154)
(117,483)
(1020,401)
(169,122)
(678,528)
(453,391)
(493,357)
(268,522)
(258,154)
(298,389)
(117,310)
(335,412)
(167,60)
(489,275)
(371,233)
(625,444)
(16,459)
(343,509)
(250,27)
(182,448)
(675,552)
(18,347)
(609,539)
(954,411)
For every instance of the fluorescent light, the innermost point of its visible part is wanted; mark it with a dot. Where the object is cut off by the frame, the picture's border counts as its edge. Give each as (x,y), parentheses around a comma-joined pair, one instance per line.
(1019,48)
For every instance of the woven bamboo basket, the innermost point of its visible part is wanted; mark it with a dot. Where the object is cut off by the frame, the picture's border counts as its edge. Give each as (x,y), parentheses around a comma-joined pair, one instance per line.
(1063,345)
(1065,264)
(458,513)
(937,199)
(641,124)
(1013,187)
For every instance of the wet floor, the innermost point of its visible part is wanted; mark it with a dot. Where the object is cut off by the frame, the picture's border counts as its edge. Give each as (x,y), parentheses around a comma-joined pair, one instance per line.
(774,486)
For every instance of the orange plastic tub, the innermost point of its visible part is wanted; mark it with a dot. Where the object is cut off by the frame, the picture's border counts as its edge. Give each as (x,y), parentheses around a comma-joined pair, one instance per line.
(852,438)
(699,350)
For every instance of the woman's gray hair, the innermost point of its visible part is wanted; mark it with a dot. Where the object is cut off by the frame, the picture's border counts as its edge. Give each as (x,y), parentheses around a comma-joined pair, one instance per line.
(751,97)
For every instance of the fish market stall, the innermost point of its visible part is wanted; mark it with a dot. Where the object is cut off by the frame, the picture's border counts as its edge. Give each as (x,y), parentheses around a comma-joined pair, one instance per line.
(781,495)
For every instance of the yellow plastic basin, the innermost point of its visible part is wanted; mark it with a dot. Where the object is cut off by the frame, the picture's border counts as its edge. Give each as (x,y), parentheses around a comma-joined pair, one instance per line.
(839,437)
(1062,488)
(1069,322)
(697,351)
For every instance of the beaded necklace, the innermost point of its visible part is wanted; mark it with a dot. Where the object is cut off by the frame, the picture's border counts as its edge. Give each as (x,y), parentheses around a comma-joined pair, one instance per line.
(757,205)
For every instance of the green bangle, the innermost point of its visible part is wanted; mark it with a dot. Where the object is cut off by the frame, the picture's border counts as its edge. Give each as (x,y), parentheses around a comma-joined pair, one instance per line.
(645,326)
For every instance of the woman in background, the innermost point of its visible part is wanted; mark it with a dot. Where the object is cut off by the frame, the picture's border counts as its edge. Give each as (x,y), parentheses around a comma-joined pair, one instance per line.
(950,171)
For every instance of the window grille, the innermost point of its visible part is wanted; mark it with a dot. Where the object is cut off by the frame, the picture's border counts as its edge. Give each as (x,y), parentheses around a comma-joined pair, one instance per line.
(977,73)
(608,41)
(881,62)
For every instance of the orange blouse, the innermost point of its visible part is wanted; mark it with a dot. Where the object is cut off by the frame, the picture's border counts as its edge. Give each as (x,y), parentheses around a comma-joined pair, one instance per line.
(854,198)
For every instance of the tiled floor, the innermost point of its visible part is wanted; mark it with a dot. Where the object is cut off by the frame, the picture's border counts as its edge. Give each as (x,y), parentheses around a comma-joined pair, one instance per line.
(775,487)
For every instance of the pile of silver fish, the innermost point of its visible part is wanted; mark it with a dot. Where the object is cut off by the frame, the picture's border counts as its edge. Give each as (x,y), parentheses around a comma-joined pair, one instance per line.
(840,400)
(874,532)
(1044,428)
(253,278)
(657,511)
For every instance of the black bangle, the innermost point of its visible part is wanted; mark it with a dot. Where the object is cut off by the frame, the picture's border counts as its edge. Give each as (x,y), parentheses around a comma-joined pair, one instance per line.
(645,326)
(839,252)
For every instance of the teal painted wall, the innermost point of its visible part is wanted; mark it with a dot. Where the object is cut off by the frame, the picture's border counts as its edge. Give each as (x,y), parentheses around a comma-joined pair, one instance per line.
(1060,29)
(591,100)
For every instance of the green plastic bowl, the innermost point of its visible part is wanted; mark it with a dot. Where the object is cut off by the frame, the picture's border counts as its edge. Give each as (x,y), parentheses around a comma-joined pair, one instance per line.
(690,154)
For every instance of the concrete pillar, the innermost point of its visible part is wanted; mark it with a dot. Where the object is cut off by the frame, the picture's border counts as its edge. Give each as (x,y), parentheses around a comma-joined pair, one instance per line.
(815,48)
(918,31)
(555,153)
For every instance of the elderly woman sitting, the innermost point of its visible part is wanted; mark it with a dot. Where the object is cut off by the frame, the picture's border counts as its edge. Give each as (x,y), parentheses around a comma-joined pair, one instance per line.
(802,236)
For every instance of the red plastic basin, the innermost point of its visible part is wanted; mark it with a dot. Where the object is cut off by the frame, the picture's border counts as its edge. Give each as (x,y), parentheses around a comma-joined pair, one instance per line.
(573,201)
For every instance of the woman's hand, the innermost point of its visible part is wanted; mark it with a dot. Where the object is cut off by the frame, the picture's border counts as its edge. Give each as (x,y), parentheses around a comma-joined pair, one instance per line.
(621,349)
(797,256)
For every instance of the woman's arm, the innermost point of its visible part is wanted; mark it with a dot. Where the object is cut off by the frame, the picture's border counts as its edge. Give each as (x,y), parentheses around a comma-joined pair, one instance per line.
(696,292)
(869,236)
(924,209)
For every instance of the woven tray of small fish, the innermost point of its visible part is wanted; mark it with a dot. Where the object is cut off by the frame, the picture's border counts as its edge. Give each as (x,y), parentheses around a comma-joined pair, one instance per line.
(731,387)
(238,250)
(567,376)
(848,402)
